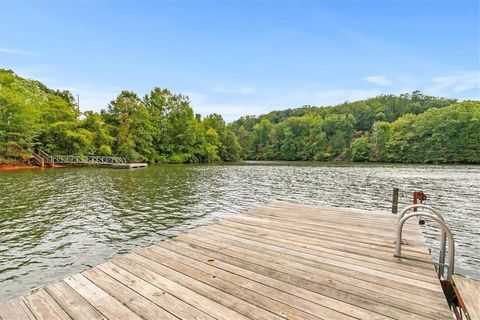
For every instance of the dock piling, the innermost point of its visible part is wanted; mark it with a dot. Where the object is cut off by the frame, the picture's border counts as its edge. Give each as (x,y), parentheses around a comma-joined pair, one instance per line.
(395,200)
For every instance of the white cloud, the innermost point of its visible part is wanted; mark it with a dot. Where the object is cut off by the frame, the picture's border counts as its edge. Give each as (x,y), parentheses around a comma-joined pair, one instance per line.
(14,51)
(379,80)
(241,90)
(457,83)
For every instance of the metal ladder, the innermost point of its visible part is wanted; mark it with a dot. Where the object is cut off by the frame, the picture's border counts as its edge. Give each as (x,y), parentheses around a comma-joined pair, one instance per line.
(445,233)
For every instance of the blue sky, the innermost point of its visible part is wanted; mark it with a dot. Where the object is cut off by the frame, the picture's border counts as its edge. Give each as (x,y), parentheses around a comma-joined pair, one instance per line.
(245,57)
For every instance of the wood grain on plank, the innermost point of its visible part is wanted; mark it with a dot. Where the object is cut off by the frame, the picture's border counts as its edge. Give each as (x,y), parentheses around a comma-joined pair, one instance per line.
(469,292)
(177,307)
(136,302)
(201,302)
(43,306)
(73,303)
(15,309)
(110,307)
(256,296)
(204,285)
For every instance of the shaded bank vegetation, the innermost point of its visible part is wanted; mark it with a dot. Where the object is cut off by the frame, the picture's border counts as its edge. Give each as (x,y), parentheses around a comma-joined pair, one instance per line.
(162,127)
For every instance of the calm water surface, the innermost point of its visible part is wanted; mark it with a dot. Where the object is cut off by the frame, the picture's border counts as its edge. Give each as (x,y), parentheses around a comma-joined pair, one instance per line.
(57,222)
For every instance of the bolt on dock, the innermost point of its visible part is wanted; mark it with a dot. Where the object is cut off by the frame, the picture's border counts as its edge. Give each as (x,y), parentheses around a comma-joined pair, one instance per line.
(279,261)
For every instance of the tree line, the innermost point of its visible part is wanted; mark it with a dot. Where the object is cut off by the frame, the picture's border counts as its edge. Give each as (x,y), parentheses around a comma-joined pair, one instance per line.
(411,128)
(159,127)
(162,127)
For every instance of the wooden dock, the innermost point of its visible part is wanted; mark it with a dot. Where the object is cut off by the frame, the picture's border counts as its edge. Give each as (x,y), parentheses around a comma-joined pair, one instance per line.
(280,261)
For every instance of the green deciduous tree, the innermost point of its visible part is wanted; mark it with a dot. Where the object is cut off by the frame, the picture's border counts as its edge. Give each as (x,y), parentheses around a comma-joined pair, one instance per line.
(360,149)
(131,126)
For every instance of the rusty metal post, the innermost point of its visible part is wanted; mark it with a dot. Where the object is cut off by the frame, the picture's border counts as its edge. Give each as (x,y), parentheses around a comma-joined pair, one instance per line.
(395,200)
(418,196)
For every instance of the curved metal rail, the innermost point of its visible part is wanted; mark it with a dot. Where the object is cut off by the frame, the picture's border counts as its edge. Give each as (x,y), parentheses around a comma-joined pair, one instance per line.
(415,206)
(445,230)
(443,236)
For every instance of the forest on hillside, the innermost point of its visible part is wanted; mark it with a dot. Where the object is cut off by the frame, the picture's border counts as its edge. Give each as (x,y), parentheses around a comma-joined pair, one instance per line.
(162,127)
(410,128)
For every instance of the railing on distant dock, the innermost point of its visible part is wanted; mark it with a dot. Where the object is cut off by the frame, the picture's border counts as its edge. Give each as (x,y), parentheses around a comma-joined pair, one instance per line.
(68,159)
(47,158)
(39,160)
(80,160)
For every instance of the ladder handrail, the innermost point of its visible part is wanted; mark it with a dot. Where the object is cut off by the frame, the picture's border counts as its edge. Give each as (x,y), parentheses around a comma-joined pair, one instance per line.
(443,236)
(423,206)
(445,228)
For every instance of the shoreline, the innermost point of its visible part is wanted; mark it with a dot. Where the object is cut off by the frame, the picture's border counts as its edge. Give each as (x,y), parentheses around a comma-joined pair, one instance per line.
(14,167)
(11,167)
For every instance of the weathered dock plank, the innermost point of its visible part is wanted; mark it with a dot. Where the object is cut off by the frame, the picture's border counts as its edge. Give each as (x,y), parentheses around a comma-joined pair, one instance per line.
(468,292)
(15,309)
(279,261)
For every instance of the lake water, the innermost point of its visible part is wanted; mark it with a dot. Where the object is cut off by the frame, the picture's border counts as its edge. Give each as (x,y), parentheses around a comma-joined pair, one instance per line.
(54,223)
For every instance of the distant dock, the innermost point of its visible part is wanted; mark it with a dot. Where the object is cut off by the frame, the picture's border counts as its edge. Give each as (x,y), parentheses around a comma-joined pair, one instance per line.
(43,159)
(279,261)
